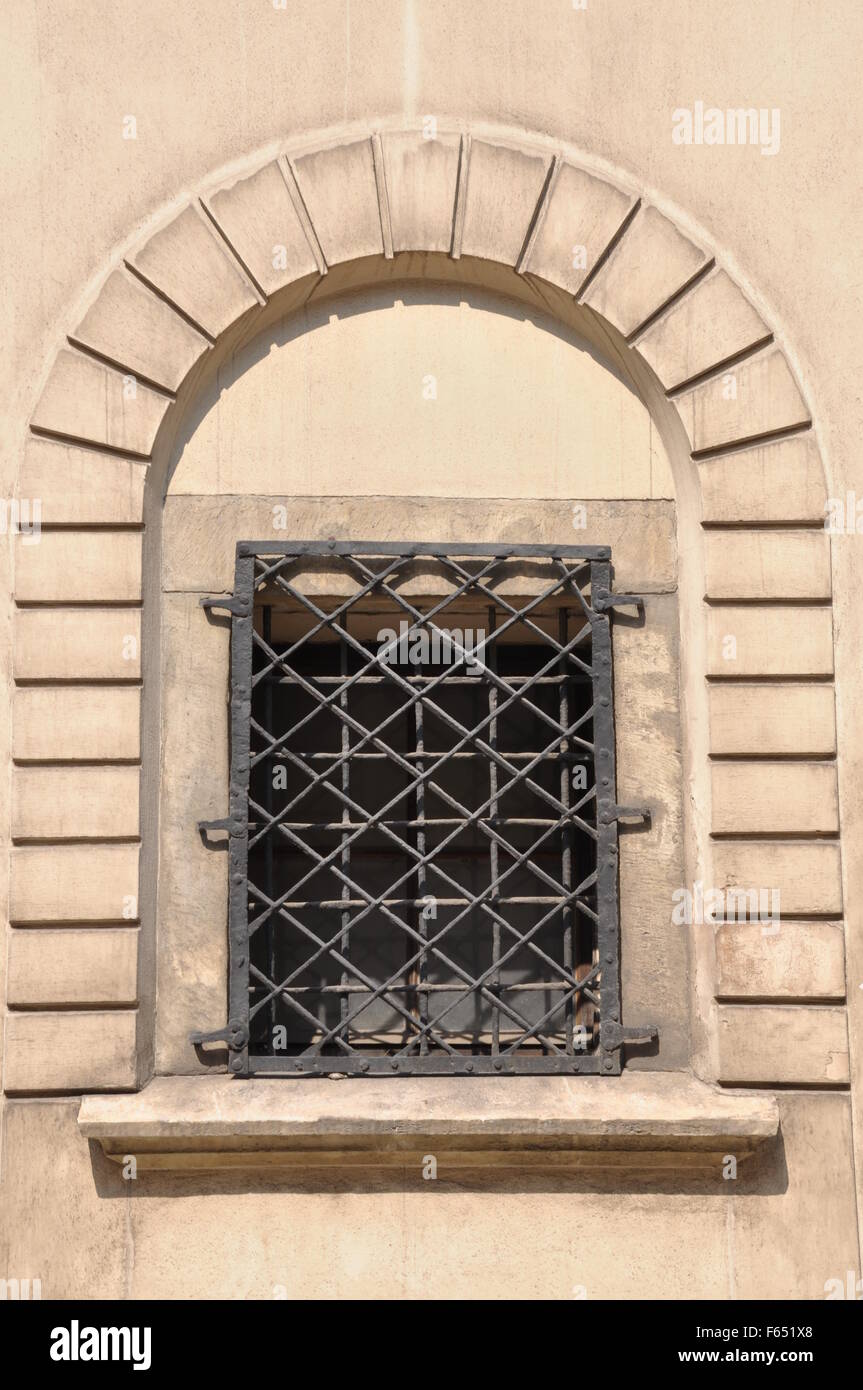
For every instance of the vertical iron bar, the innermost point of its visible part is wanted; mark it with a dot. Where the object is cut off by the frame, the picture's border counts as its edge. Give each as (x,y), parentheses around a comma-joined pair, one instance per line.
(267,626)
(566,771)
(238,869)
(422,925)
(608,939)
(494,866)
(345,856)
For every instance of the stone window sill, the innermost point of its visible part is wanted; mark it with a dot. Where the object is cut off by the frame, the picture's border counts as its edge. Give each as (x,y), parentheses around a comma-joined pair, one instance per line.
(666,1120)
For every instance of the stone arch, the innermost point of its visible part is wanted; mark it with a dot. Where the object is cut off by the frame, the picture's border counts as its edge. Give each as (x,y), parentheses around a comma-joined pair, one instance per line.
(341,208)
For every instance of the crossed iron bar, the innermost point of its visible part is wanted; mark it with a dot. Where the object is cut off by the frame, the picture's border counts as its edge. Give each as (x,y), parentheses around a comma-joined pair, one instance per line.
(565,898)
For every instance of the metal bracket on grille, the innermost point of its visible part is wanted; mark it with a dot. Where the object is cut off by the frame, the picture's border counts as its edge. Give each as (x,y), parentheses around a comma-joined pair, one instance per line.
(234,827)
(614,1035)
(614,813)
(603,601)
(235,606)
(236,1035)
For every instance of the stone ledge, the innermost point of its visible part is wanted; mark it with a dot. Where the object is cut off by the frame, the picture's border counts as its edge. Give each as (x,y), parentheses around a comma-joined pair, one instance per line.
(637,1120)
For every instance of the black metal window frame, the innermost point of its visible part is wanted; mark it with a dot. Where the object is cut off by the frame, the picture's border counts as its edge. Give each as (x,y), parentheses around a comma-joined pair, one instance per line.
(261,562)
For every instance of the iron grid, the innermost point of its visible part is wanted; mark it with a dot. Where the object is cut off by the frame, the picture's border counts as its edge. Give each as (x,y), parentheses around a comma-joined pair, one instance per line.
(412,889)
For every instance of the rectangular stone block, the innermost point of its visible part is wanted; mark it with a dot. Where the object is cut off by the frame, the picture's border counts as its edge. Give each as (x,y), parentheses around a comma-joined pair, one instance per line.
(791,1045)
(712,322)
(332,180)
(769,641)
(138,330)
(766,798)
(74,883)
(50,1052)
(767,564)
(807,873)
(261,223)
(67,644)
(753,398)
(79,567)
(86,723)
(651,262)
(503,188)
(85,399)
(782,481)
(81,485)
(75,803)
(767,960)
(73,966)
(772,718)
(189,263)
(421,184)
(578,220)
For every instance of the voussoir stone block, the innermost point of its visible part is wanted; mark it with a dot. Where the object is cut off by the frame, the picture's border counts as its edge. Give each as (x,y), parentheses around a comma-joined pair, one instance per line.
(79,567)
(752,398)
(775,718)
(576,223)
(69,1051)
(767,564)
(651,262)
(75,803)
(76,723)
(806,873)
(81,966)
(769,641)
(188,263)
(80,485)
(503,189)
(760,798)
(74,883)
(139,331)
(86,400)
(421,179)
(259,219)
(340,193)
(803,960)
(712,322)
(788,1044)
(74,644)
(780,481)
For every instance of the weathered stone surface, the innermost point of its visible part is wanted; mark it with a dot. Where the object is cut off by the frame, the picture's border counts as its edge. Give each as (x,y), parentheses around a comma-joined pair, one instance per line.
(772,718)
(753,398)
(187,261)
(331,180)
(81,485)
(765,798)
(68,1051)
(782,1044)
(75,644)
(89,723)
(74,883)
(712,322)
(651,262)
(140,332)
(801,960)
(806,872)
(258,218)
(86,400)
(764,641)
(782,481)
(75,803)
(421,183)
(579,219)
(767,564)
(503,188)
(79,567)
(76,965)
